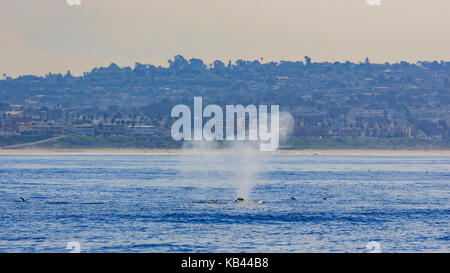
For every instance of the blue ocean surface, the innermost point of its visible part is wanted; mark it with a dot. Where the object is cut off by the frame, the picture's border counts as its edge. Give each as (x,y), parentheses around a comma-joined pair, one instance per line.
(185,203)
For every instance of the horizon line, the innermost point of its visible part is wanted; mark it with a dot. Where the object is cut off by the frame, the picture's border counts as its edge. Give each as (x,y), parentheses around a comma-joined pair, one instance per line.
(5,76)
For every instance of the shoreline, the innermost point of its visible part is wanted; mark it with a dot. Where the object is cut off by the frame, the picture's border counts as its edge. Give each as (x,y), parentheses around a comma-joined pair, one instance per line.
(35,151)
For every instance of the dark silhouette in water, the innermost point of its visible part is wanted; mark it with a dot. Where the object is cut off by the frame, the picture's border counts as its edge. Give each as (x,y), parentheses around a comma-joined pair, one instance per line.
(293,198)
(214,201)
(326,197)
(240,200)
(23,200)
(58,203)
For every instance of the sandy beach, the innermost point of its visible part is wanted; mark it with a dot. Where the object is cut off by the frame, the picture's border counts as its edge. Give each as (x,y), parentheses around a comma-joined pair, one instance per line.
(186,151)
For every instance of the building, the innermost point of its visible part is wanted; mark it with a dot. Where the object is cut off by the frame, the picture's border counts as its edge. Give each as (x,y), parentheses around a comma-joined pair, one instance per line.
(111,129)
(142,130)
(14,123)
(82,130)
(44,129)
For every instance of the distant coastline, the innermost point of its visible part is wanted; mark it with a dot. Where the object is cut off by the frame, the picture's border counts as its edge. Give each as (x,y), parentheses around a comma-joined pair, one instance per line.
(166,145)
(41,151)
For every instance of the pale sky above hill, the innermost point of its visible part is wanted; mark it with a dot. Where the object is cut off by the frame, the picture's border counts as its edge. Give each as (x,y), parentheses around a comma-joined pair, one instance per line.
(37,37)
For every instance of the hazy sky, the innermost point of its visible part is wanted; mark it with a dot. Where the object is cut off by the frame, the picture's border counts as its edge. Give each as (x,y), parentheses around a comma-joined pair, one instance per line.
(41,36)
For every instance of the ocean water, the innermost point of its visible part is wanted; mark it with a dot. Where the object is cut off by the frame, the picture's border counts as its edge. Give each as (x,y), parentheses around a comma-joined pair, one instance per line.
(162,203)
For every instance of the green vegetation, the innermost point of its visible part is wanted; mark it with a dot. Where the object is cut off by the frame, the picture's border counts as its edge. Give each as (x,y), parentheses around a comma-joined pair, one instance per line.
(9,140)
(158,142)
(111,142)
(369,143)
